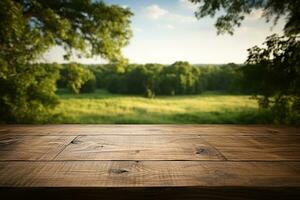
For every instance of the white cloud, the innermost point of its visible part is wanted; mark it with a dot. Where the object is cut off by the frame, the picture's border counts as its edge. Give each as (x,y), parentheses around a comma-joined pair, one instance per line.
(155,12)
(187,5)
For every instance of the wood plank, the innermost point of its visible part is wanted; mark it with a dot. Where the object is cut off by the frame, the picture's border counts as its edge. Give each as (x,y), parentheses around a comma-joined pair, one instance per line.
(149,162)
(149,174)
(66,129)
(32,147)
(139,147)
(39,130)
(256,147)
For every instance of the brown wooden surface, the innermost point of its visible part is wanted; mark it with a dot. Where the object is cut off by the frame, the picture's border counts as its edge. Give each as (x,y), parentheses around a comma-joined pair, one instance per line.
(32,147)
(148,129)
(149,174)
(139,147)
(257,147)
(207,160)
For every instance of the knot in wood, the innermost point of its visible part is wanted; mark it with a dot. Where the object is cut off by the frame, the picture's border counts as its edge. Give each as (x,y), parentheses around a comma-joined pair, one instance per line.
(119,171)
(75,141)
(201,150)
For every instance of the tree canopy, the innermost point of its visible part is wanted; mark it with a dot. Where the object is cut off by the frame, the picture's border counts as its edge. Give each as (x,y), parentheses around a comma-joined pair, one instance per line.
(28,28)
(271,71)
(91,27)
(274,72)
(235,11)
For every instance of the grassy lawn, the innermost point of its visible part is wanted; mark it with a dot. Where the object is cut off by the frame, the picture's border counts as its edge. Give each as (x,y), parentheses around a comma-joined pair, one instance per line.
(106,108)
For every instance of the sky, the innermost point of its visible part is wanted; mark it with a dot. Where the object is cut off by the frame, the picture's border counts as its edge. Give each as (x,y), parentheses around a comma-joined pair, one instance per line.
(167,31)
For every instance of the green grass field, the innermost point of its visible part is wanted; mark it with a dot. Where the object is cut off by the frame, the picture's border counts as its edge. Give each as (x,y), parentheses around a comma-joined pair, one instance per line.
(208,108)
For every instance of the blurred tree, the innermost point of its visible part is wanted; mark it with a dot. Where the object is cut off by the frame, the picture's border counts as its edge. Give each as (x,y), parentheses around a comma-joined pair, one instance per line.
(136,80)
(221,78)
(272,71)
(28,94)
(89,86)
(152,79)
(116,83)
(28,28)
(179,78)
(142,79)
(77,75)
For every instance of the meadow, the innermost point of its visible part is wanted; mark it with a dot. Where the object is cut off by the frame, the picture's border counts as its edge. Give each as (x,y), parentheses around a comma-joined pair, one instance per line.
(103,107)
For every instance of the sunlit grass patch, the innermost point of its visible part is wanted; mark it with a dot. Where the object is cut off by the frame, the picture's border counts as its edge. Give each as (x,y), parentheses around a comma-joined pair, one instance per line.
(102,107)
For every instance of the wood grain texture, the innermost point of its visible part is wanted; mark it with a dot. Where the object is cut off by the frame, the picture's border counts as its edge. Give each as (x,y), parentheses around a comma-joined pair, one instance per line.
(149,162)
(148,174)
(32,147)
(256,147)
(139,147)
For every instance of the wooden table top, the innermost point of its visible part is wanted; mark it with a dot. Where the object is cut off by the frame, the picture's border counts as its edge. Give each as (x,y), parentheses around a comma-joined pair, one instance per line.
(149,156)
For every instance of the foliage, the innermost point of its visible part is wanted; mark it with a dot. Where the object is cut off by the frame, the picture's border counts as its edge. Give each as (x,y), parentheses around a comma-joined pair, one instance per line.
(28,28)
(143,79)
(274,73)
(91,27)
(89,87)
(224,78)
(28,94)
(116,83)
(179,78)
(76,76)
(235,11)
